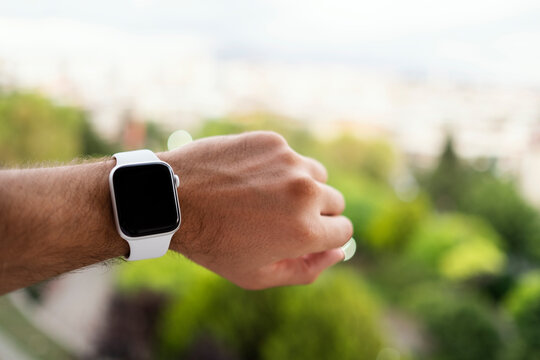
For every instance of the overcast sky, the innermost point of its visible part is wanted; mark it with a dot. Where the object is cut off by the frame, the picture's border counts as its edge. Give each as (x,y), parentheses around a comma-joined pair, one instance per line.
(478,40)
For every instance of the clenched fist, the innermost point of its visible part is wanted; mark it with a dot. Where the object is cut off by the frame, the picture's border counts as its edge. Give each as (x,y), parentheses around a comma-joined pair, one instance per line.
(256,212)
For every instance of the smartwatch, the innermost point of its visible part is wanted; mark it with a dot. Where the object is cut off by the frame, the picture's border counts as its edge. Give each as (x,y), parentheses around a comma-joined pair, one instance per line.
(145,202)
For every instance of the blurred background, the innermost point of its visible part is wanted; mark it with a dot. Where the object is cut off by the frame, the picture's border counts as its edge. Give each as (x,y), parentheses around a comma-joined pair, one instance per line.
(426,113)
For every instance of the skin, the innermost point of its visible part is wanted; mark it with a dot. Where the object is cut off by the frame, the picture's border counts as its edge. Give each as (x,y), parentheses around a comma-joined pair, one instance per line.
(253,211)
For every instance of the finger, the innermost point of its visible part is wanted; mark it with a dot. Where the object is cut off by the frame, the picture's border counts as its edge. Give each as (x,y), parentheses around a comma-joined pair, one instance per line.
(315,169)
(332,201)
(336,231)
(305,269)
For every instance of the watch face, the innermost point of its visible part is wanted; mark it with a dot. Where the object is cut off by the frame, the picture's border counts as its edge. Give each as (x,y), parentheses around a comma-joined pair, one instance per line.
(146,200)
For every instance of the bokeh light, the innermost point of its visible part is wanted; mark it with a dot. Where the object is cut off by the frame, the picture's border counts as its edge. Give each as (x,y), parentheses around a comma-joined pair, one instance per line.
(178,138)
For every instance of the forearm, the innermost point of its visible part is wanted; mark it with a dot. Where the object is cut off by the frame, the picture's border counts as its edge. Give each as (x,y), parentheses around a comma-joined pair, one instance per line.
(54,220)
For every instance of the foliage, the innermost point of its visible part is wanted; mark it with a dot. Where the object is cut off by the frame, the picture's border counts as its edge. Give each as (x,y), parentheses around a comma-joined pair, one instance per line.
(392,226)
(170,274)
(34,129)
(340,315)
(460,326)
(499,202)
(457,246)
(455,185)
(447,181)
(334,317)
(524,305)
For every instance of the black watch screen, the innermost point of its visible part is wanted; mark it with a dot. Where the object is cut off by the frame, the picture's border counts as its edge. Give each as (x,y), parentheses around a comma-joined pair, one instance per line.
(146,199)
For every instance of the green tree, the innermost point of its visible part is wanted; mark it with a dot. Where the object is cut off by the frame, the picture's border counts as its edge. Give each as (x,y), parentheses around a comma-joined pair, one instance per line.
(455,185)
(448,180)
(460,326)
(35,129)
(500,203)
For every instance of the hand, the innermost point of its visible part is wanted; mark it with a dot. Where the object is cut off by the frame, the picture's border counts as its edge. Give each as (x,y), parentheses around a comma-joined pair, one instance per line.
(256,212)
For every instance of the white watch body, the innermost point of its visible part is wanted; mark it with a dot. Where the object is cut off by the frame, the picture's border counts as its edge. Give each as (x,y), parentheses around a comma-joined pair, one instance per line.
(138,202)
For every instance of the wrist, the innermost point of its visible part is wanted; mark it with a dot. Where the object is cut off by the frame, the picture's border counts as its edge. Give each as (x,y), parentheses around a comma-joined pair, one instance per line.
(179,160)
(112,245)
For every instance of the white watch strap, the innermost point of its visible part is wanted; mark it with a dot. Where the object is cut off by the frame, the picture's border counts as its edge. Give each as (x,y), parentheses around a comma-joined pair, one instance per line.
(148,248)
(134,157)
(152,247)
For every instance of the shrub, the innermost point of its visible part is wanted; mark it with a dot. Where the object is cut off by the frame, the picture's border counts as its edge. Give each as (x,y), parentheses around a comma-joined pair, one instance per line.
(523,304)
(459,247)
(460,327)
(333,318)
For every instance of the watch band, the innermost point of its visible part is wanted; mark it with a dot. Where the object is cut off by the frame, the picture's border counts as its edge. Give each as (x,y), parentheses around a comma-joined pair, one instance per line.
(134,157)
(152,247)
(148,248)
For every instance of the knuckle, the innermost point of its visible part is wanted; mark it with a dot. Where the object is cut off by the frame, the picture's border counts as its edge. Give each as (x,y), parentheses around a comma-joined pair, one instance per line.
(270,138)
(288,157)
(324,173)
(320,168)
(302,185)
